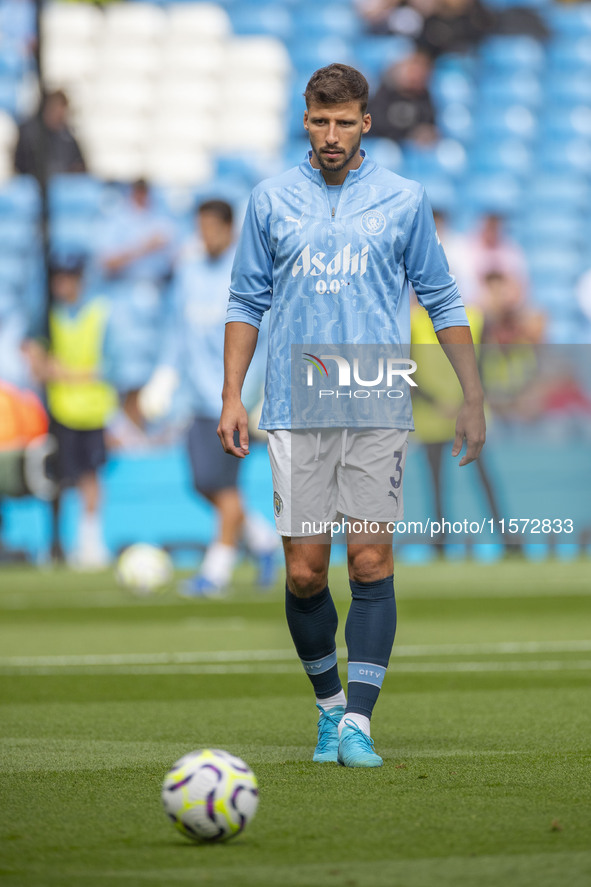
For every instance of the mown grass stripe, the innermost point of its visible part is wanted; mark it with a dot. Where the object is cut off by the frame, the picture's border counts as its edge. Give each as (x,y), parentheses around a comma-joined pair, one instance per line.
(229,656)
(295,668)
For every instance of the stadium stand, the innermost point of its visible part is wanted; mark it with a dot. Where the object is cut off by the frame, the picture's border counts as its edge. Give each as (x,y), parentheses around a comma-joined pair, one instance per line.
(170,91)
(205,99)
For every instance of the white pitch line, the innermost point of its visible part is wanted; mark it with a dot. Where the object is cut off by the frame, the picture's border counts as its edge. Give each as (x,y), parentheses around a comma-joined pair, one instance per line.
(295,668)
(228,656)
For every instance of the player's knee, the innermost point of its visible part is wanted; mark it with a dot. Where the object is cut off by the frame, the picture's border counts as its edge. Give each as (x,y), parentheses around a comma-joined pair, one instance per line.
(367,564)
(306,580)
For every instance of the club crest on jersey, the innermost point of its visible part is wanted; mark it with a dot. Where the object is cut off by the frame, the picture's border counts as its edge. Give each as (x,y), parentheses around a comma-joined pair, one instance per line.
(373,222)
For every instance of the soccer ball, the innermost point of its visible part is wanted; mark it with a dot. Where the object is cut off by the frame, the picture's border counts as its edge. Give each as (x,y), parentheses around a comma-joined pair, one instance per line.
(210,795)
(144,568)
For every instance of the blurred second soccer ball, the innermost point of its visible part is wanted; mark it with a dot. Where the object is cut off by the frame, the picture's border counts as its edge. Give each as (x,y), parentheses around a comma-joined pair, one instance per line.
(144,569)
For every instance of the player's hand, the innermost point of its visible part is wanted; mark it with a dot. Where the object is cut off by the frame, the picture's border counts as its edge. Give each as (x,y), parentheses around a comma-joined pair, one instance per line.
(234,418)
(470,427)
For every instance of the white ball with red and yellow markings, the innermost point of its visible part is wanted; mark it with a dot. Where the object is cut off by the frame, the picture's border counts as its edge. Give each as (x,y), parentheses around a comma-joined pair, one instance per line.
(210,795)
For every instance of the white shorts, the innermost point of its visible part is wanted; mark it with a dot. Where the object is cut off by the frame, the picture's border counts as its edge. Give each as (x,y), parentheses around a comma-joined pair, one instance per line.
(320,474)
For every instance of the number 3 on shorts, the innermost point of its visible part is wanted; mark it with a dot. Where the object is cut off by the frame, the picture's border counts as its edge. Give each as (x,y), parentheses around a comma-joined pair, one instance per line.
(397,477)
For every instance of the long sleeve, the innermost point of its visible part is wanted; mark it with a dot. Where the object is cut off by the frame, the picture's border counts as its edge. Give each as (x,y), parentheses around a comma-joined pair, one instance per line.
(428,271)
(251,287)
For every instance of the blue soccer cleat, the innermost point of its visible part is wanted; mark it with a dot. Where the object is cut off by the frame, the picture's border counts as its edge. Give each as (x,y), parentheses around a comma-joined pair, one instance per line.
(200,587)
(328,734)
(356,748)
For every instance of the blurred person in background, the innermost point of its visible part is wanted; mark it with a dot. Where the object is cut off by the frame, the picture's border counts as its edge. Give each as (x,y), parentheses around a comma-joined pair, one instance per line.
(455,26)
(46,145)
(508,319)
(404,17)
(436,401)
(193,354)
(485,250)
(438,26)
(402,108)
(74,366)
(133,263)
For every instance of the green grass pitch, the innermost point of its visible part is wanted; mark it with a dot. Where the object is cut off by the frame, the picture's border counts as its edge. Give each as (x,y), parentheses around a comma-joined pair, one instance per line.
(484,723)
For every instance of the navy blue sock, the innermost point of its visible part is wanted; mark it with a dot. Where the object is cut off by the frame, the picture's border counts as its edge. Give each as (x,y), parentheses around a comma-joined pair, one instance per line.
(313,625)
(369,632)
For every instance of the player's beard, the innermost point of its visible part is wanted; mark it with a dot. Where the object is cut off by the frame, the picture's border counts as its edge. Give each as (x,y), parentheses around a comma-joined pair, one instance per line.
(341,163)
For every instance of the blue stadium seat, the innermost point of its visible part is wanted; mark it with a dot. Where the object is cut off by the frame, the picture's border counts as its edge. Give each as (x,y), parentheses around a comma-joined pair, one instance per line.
(568,88)
(565,228)
(72,234)
(563,155)
(448,85)
(78,194)
(571,122)
(559,193)
(456,121)
(569,21)
(13,271)
(511,121)
(503,89)
(444,159)
(554,266)
(309,55)
(16,234)
(551,297)
(570,54)
(9,99)
(442,193)
(312,19)
(20,198)
(483,192)
(385,153)
(509,156)
(374,54)
(270,19)
(12,61)
(295,151)
(511,54)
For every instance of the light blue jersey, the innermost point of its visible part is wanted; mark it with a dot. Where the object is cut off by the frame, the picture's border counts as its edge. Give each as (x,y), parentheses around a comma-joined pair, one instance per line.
(194,343)
(335,267)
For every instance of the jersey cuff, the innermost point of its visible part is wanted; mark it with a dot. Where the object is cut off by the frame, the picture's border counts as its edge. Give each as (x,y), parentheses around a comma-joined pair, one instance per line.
(241,314)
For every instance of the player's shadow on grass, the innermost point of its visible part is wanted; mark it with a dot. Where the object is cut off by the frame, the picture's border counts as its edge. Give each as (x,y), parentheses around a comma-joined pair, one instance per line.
(206,846)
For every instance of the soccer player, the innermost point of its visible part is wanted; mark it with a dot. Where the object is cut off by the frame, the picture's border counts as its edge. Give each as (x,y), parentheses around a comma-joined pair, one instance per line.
(192,353)
(340,217)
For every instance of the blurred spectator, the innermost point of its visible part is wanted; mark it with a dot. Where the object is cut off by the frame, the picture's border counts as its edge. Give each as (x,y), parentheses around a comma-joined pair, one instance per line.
(403,17)
(436,402)
(132,263)
(46,145)
(80,400)
(509,360)
(455,26)
(134,243)
(508,320)
(483,251)
(193,354)
(402,109)
(438,26)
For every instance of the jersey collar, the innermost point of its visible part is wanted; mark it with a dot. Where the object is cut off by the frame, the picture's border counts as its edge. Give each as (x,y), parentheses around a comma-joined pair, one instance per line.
(316,174)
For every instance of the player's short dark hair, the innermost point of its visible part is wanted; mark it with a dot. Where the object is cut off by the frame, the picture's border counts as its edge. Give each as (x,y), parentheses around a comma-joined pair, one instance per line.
(336,84)
(220,208)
